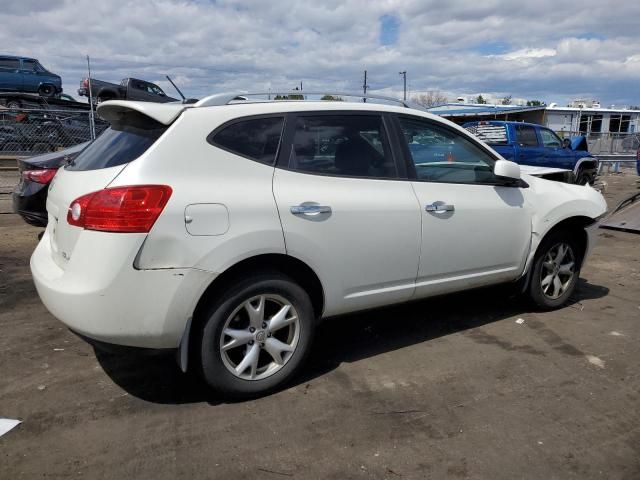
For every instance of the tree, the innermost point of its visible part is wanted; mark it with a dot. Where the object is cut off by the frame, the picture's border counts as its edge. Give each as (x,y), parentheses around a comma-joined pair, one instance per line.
(331,98)
(506,100)
(430,99)
(535,103)
(480,99)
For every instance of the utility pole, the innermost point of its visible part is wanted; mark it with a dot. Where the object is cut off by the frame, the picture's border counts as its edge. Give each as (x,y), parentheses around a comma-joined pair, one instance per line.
(92,122)
(404,78)
(364,87)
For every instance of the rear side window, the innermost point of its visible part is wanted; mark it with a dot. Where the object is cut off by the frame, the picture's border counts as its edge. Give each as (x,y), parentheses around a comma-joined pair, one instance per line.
(9,63)
(489,133)
(344,145)
(256,139)
(123,142)
(526,136)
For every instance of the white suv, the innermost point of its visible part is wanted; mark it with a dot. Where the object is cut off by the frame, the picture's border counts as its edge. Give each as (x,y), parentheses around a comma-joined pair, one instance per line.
(226,229)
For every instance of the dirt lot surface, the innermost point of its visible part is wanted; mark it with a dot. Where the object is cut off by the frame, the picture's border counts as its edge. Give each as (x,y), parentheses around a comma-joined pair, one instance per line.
(455,387)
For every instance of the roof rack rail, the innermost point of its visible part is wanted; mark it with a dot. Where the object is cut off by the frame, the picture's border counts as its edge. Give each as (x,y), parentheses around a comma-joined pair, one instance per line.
(229,98)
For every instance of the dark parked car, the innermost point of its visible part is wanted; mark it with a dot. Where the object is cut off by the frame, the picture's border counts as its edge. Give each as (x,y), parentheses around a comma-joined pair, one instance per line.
(36,173)
(22,74)
(129,89)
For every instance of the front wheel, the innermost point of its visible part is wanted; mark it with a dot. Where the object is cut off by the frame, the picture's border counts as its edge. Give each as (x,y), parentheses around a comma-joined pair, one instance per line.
(256,336)
(556,269)
(584,177)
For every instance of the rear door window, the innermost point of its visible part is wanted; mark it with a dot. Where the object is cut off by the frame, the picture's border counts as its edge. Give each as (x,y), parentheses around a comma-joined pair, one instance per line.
(254,138)
(342,145)
(526,136)
(121,143)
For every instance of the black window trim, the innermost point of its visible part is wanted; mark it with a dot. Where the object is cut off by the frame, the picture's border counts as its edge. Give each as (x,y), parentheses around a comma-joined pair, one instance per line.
(390,142)
(408,159)
(219,128)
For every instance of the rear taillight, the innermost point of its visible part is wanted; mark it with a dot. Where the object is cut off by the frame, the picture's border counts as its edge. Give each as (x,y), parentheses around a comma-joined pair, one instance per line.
(131,209)
(39,176)
(84,83)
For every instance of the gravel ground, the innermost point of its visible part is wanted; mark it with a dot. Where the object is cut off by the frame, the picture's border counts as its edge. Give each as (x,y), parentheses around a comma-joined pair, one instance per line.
(454,387)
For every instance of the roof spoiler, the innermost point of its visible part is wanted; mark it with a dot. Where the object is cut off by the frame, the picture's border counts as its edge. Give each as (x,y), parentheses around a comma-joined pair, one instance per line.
(164,113)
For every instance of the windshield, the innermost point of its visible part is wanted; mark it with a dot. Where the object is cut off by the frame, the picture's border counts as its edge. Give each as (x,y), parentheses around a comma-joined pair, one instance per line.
(121,143)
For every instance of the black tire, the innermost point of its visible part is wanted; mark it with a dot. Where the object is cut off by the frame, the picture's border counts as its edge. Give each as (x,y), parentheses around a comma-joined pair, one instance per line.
(216,365)
(542,293)
(14,105)
(46,90)
(584,176)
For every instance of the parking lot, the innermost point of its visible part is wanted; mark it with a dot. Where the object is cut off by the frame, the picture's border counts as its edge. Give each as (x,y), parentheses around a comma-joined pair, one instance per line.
(474,385)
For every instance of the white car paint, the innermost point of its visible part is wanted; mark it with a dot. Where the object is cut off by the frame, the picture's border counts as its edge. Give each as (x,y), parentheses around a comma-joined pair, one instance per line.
(378,246)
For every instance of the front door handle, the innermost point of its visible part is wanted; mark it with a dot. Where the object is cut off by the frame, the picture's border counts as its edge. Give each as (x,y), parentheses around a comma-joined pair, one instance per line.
(310,209)
(439,208)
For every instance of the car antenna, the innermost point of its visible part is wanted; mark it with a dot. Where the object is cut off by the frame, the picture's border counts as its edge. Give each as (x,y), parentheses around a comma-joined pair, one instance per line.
(174,86)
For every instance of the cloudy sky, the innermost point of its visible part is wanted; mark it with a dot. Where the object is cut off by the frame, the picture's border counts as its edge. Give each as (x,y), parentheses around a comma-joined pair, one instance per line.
(547,50)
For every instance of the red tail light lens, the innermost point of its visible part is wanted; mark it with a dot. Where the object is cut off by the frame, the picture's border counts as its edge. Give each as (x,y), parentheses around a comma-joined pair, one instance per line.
(39,176)
(120,209)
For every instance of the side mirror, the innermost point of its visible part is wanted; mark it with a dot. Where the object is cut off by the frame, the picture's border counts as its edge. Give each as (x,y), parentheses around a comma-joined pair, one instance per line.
(566,143)
(507,170)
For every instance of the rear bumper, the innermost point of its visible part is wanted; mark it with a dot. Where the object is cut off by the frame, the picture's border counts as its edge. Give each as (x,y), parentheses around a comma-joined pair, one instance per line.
(31,205)
(101,296)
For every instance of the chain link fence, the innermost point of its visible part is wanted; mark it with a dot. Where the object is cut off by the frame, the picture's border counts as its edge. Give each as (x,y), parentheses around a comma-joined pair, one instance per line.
(609,143)
(27,132)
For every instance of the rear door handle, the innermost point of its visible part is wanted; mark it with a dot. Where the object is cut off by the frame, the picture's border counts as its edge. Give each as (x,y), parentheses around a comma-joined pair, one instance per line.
(310,209)
(439,208)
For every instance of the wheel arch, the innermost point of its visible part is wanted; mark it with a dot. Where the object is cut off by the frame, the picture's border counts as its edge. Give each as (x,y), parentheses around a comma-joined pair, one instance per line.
(585,162)
(288,265)
(577,224)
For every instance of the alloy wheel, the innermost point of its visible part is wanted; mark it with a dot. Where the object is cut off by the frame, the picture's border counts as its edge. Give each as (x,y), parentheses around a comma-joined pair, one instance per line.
(259,337)
(558,270)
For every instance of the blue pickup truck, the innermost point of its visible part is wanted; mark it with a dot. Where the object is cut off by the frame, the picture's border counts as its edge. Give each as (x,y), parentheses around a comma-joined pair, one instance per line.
(530,144)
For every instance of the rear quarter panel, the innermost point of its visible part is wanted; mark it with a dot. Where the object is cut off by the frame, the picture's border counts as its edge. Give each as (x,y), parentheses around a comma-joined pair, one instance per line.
(200,173)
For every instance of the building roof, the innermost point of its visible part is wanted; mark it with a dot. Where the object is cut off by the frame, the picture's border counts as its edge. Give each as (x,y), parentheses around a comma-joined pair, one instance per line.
(591,110)
(475,110)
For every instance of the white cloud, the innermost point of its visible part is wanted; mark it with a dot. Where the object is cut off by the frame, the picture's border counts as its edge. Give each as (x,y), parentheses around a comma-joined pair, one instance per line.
(550,50)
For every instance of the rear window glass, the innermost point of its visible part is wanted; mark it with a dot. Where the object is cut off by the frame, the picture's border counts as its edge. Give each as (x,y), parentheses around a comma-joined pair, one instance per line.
(491,134)
(121,143)
(257,139)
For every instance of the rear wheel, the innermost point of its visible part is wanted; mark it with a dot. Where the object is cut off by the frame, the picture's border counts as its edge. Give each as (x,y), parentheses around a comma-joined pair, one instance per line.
(14,104)
(46,90)
(556,269)
(256,337)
